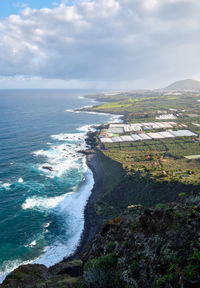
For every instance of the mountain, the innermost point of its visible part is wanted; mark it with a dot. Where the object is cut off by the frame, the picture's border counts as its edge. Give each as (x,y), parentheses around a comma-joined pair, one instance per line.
(187,84)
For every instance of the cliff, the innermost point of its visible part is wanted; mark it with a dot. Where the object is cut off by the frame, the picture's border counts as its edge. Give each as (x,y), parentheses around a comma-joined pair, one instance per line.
(143,247)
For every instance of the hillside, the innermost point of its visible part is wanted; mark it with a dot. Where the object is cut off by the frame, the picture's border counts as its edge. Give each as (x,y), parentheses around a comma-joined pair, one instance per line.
(187,84)
(144,247)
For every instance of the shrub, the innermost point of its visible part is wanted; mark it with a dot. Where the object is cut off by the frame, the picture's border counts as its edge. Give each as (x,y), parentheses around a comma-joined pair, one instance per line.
(110,246)
(162,281)
(134,268)
(133,227)
(100,272)
(102,263)
(161,205)
(196,256)
(181,194)
(191,271)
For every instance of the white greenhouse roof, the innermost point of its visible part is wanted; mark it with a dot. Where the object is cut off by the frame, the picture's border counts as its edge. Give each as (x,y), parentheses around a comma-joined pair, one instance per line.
(155,135)
(145,136)
(106,140)
(167,134)
(136,137)
(126,138)
(183,133)
(116,139)
(117,130)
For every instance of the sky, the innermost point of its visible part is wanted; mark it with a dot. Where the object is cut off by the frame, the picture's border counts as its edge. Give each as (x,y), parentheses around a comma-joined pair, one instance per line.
(104,44)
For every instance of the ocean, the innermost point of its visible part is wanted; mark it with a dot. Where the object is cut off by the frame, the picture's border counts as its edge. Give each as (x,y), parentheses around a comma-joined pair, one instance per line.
(44,181)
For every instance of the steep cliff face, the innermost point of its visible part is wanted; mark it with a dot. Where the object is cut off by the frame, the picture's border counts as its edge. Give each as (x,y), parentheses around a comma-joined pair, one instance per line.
(144,247)
(158,247)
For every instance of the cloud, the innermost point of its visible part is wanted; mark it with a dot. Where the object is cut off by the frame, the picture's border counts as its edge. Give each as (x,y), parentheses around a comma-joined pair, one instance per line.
(104,41)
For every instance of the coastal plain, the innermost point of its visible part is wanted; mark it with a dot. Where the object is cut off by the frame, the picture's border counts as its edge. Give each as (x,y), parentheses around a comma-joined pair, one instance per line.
(149,172)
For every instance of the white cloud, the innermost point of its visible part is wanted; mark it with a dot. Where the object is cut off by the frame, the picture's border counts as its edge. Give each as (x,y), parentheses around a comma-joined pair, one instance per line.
(104,41)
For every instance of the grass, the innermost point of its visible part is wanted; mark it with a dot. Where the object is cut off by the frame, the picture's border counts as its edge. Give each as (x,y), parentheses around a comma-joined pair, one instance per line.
(144,106)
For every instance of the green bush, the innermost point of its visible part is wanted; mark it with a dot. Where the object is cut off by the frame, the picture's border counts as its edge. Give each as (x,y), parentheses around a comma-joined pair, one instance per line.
(196,256)
(181,194)
(102,263)
(191,271)
(161,205)
(100,272)
(134,268)
(110,246)
(133,227)
(162,281)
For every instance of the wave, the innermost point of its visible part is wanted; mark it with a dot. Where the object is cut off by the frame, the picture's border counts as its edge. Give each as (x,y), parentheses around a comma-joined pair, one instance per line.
(62,158)
(5,185)
(62,155)
(41,203)
(87,128)
(74,215)
(65,206)
(9,266)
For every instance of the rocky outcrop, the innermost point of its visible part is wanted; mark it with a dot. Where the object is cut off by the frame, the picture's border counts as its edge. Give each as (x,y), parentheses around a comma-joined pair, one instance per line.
(62,275)
(72,268)
(154,247)
(47,168)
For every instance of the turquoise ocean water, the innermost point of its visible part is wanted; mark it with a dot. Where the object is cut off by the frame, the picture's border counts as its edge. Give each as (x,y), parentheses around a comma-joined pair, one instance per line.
(41,210)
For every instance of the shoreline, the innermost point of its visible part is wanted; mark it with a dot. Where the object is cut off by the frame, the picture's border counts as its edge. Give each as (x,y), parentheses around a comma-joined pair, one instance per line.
(92,221)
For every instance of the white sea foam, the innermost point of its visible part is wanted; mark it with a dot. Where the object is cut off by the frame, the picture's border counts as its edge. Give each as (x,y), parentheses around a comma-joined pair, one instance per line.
(66,206)
(46,225)
(87,128)
(117,118)
(70,110)
(33,243)
(9,266)
(41,203)
(74,215)
(61,157)
(20,180)
(6,185)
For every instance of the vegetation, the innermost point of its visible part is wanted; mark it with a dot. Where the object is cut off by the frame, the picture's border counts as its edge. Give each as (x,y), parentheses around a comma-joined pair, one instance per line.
(149,206)
(162,250)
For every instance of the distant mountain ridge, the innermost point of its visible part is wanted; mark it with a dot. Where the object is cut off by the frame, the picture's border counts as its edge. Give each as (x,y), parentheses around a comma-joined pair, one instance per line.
(187,84)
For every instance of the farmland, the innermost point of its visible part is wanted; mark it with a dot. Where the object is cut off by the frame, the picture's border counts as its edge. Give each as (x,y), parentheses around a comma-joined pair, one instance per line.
(150,172)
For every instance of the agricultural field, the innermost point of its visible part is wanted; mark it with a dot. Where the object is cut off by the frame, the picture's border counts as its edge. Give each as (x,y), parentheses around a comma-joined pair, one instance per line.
(150,172)
(143,107)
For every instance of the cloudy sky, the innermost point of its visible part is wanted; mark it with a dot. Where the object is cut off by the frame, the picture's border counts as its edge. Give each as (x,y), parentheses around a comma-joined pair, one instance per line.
(120,44)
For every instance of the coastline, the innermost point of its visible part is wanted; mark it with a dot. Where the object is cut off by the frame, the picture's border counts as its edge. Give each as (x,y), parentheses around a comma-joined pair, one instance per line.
(92,221)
